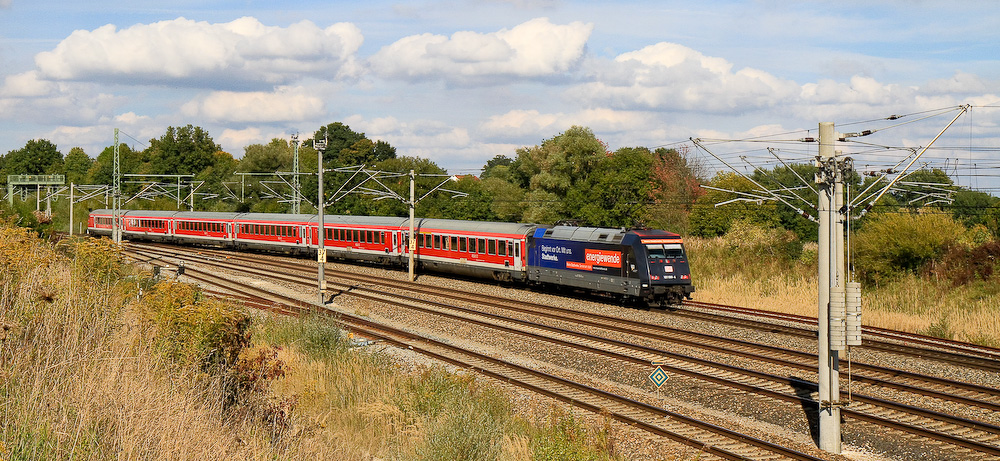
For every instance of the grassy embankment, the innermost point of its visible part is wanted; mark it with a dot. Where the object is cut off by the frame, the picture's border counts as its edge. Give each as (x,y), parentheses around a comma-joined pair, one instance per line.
(769,270)
(98,361)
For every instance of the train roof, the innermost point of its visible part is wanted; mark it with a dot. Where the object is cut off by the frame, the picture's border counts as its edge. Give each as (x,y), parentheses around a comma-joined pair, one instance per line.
(131,213)
(583,234)
(474,226)
(387,221)
(276,217)
(228,216)
(599,234)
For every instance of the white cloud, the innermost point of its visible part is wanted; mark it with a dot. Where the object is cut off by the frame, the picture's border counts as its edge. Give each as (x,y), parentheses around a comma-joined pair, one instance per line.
(234,141)
(519,124)
(27,85)
(239,53)
(25,99)
(5,3)
(668,76)
(283,105)
(534,49)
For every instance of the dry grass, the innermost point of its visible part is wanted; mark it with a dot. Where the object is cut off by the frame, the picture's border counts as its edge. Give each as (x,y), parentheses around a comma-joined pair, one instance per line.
(97,363)
(910,303)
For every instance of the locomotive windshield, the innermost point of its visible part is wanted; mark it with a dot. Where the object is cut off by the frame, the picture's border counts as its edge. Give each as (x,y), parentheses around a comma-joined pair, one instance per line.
(665,251)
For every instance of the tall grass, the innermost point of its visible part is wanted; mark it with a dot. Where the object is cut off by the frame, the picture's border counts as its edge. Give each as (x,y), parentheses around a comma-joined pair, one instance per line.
(100,361)
(747,268)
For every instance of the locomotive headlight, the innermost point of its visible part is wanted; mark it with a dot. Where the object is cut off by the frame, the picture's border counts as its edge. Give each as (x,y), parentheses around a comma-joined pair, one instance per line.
(645,285)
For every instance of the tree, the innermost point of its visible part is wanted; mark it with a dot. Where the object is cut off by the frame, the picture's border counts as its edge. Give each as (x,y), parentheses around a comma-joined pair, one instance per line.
(77,164)
(103,167)
(346,147)
(676,187)
(785,181)
(616,192)
(338,137)
(709,220)
(38,156)
(383,151)
(187,150)
(506,199)
(973,207)
(548,171)
(497,167)
(914,187)
(274,156)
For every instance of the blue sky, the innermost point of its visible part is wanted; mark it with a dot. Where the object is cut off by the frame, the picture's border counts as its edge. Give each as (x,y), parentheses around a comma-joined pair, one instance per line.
(462,81)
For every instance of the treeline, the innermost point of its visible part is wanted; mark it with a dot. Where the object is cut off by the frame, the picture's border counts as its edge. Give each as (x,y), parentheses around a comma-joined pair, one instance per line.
(926,225)
(572,176)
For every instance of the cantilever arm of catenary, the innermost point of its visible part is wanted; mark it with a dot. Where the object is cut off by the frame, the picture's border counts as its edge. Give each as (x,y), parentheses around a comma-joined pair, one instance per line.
(782,186)
(796,173)
(798,210)
(917,157)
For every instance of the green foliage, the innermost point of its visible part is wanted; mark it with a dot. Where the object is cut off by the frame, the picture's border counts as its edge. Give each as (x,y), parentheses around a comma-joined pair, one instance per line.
(197,332)
(346,147)
(912,190)
(973,208)
(709,220)
(497,167)
(616,191)
(476,206)
(185,150)
(316,335)
(38,156)
(784,178)
(469,420)
(550,170)
(77,164)
(505,199)
(750,242)
(102,169)
(895,242)
(567,438)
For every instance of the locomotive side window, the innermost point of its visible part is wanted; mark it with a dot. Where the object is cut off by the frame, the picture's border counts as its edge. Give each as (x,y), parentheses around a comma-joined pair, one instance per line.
(482,246)
(502,248)
(454,244)
(463,244)
(493,246)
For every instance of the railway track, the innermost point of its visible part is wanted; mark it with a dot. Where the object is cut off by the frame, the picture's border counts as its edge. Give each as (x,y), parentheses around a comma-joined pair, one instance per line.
(925,347)
(708,438)
(974,395)
(976,436)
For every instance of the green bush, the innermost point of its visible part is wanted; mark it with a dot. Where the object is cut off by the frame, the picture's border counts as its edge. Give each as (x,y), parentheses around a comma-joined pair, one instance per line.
(750,242)
(205,333)
(896,242)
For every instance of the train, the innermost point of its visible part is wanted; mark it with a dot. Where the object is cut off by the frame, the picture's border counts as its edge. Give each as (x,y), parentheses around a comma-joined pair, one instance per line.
(643,266)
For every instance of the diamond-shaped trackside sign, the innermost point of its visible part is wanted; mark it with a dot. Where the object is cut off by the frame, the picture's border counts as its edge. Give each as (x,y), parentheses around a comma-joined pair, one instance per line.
(658,377)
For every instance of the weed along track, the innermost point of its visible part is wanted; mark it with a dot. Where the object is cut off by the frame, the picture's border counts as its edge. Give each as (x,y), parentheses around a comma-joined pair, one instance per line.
(941,417)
